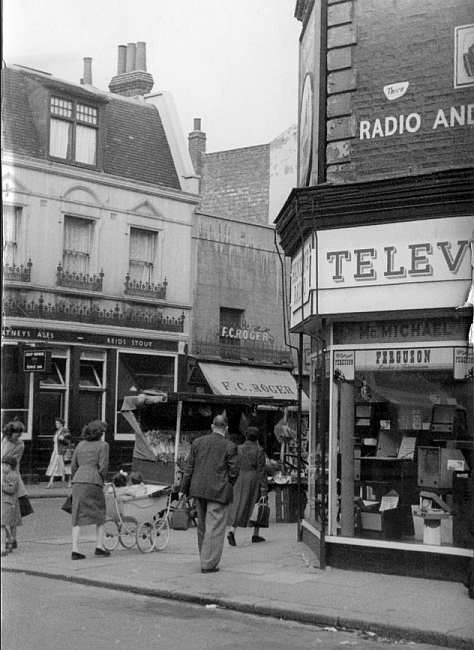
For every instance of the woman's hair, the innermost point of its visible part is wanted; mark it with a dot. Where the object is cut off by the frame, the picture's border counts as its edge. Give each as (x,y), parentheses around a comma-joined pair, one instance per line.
(94,430)
(10,460)
(252,433)
(13,427)
(136,478)
(120,479)
(59,420)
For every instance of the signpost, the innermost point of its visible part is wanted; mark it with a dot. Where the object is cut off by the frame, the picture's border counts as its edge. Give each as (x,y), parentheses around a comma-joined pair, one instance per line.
(37,360)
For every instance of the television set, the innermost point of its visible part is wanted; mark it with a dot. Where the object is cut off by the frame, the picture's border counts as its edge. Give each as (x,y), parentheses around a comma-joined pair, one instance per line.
(437,465)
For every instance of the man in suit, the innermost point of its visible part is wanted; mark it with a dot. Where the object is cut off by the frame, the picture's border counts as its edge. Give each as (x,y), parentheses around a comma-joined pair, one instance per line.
(211,471)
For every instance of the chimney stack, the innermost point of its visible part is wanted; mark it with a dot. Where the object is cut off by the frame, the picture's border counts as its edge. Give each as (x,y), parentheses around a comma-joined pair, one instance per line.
(87,78)
(122,59)
(197,148)
(132,79)
(141,57)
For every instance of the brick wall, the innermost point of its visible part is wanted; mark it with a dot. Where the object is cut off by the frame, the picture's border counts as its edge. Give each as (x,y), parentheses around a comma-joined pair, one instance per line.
(235,184)
(372,44)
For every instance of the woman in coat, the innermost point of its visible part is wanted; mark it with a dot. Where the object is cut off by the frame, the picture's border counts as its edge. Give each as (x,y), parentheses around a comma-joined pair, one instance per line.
(61,442)
(89,471)
(13,446)
(250,486)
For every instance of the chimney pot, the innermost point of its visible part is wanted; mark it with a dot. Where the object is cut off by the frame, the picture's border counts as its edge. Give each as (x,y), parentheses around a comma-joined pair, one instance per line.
(141,56)
(197,123)
(87,79)
(122,59)
(131,57)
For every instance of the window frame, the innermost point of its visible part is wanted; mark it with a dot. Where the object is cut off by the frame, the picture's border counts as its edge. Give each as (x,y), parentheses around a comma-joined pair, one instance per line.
(74,121)
(11,250)
(88,255)
(153,265)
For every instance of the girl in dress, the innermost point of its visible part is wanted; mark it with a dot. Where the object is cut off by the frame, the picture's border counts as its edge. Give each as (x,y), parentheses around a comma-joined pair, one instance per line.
(57,467)
(10,508)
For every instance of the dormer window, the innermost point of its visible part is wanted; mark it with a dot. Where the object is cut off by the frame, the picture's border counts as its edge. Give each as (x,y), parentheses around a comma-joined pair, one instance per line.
(73,131)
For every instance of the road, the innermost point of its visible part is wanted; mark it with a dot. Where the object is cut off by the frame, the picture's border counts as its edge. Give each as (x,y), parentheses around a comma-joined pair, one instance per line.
(49,614)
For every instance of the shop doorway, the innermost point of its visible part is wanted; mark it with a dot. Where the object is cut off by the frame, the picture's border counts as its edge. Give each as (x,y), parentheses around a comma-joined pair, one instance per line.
(50,405)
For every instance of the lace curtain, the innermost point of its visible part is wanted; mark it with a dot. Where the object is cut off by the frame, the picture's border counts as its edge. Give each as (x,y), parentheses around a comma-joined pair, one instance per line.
(77,235)
(142,253)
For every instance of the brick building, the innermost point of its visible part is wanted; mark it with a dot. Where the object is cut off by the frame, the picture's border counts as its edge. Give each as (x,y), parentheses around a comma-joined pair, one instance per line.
(98,200)
(380,233)
(238,355)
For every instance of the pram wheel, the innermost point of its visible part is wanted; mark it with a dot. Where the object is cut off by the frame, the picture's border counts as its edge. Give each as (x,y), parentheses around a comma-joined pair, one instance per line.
(146,537)
(111,535)
(162,529)
(128,530)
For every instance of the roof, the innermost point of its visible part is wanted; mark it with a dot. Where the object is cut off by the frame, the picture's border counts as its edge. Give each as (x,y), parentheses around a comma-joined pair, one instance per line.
(135,142)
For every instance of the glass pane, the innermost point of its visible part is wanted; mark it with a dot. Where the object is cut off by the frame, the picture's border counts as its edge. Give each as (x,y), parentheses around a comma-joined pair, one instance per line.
(90,374)
(141,272)
(86,145)
(60,139)
(61,107)
(86,114)
(142,245)
(77,235)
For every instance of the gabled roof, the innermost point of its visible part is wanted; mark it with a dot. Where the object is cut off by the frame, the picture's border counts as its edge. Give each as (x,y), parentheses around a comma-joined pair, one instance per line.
(135,142)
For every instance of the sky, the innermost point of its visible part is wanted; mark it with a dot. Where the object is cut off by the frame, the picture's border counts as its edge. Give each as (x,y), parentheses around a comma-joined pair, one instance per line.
(232,63)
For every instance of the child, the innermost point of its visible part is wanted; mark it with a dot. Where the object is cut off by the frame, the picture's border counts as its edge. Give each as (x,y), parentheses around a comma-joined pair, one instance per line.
(120,484)
(10,508)
(136,486)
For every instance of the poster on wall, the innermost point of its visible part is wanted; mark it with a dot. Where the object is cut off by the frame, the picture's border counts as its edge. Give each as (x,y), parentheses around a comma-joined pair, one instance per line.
(464,56)
(463,363)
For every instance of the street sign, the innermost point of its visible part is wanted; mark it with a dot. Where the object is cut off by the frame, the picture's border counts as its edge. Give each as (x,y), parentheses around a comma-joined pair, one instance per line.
(37,360)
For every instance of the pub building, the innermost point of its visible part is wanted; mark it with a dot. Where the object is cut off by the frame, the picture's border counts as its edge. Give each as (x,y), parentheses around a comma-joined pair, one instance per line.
(380,234)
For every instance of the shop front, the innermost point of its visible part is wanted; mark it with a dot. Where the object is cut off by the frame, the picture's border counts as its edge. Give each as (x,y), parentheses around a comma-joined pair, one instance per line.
(383,287)
(86,377)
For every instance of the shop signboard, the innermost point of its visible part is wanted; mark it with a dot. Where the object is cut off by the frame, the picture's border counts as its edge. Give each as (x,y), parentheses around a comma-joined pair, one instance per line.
(463,363)
(344,364)
(37,360)
(413,265)
(412,358)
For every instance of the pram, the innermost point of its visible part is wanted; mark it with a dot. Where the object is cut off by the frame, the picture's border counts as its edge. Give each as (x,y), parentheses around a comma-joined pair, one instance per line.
(141,520)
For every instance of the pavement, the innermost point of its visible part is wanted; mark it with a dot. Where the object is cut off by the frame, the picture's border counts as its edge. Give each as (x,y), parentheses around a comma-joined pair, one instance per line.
(278,578)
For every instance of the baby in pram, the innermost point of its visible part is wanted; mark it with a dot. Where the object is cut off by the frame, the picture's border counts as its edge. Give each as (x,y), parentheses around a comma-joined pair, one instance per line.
(127,485)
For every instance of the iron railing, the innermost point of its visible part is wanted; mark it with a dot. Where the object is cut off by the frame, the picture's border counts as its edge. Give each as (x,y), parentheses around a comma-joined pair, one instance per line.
(78,280)
(65,311)
(265,353)
(14,273)
(147,289)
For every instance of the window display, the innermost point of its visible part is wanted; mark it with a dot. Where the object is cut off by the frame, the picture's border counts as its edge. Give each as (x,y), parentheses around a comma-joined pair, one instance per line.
(413,436)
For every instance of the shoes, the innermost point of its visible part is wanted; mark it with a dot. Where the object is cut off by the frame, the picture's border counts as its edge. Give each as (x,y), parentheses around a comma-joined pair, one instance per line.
(48,487)
(231,539)
(101,552)
(214,570)
(77,556)
(14,544)
(256,539)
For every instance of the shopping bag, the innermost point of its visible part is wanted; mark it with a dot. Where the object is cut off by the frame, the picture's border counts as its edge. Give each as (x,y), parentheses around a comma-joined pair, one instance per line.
(260,514)
(25,506)
(67,456)
(67,505)
(181,517)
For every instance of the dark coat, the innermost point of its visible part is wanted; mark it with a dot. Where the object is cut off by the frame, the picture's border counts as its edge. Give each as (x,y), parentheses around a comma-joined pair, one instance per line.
(252,482)
(211,469)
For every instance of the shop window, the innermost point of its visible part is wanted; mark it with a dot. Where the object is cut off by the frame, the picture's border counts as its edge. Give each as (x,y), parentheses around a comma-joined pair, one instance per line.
(11,234)
(413,436)
(73,131)
(77,245)
(141,372)
(57,375)
(142,255)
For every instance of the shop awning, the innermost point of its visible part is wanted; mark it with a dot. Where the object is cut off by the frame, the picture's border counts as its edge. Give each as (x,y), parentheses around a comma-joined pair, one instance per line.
(265,384)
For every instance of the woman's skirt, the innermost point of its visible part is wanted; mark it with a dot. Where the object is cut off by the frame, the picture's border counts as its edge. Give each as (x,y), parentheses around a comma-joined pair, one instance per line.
(56,465)
(88,504)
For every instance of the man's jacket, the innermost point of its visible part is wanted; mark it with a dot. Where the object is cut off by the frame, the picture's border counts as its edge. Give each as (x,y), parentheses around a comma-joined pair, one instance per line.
(212,469)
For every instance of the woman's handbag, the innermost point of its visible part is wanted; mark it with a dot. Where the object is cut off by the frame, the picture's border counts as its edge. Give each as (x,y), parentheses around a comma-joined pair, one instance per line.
(25,506)
(260,514)
(181,517)
(67,505)
(67,455)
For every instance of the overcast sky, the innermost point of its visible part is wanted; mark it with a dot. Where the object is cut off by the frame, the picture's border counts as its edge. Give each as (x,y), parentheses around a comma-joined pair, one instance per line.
(233,63)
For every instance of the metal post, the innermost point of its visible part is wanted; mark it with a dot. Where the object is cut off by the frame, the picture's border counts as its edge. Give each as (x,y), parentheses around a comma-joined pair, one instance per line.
(298,437)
